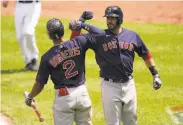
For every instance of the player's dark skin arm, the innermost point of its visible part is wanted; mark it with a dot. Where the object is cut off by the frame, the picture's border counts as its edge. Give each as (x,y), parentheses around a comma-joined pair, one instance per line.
(75,33)
(36,89)
(150,63)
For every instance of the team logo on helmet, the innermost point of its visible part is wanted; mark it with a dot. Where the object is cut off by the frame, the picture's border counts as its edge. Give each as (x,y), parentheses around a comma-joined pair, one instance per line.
(57,23)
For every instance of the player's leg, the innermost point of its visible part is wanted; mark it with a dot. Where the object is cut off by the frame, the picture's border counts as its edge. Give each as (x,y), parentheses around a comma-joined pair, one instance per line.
(31,20)
(111,94)
(129,116)
(63,109)
(19,24)
(83,114)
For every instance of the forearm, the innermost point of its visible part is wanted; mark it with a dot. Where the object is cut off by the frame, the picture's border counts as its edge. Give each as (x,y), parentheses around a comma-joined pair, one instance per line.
(150,64)
(92,29)
(36,89)
(86,15)
(75,33)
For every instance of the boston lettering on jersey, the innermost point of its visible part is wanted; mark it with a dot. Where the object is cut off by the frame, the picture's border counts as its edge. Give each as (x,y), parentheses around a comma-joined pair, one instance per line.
(125,45)
(56,60)
(110,45)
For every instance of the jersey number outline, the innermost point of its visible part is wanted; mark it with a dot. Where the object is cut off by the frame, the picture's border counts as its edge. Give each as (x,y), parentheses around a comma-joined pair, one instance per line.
(68,72)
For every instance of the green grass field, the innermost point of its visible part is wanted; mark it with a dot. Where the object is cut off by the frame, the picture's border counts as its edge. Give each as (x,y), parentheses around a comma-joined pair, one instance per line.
(164,41)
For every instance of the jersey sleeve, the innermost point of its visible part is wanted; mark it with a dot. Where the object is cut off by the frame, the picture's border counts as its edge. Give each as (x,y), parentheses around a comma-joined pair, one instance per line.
(140,47)
(90,28)
(43,72)
(93,29)
(87,40)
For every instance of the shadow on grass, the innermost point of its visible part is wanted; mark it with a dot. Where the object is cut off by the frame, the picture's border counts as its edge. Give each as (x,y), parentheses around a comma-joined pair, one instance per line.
(11,71)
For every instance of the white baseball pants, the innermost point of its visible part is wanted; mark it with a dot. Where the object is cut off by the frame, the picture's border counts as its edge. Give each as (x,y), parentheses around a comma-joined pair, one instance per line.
(26,19)
(119,102)
(73,107)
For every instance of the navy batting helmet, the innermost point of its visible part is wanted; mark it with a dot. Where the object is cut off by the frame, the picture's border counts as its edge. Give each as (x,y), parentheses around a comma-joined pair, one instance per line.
(114,11)
(55,29)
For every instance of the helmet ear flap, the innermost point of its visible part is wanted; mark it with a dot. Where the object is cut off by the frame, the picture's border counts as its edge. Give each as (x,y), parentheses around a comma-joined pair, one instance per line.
(54,36)
(49,34)
(120,21)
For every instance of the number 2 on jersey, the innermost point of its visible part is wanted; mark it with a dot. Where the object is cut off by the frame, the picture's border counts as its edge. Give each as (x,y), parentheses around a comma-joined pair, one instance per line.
(69,65)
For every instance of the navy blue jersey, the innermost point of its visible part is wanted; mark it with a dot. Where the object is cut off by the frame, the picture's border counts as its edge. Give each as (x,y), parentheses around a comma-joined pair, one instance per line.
(115,53)
(65,63)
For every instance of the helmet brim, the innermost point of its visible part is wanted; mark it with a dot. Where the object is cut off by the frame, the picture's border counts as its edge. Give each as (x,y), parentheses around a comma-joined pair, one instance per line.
(111,15)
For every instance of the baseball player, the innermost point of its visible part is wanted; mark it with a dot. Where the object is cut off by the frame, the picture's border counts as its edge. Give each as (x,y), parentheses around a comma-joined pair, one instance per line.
(65,64)
(27,13)
(114,54)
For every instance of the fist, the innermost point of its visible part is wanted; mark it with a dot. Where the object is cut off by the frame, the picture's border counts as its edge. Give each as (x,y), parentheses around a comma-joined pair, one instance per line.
(86,15)
(5,3)
(29,101)
(75,25)
(157,82)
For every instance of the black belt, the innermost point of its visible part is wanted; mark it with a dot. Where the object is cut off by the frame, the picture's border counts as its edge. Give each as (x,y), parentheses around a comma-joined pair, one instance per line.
(69,86)
(30,1)
(119,80)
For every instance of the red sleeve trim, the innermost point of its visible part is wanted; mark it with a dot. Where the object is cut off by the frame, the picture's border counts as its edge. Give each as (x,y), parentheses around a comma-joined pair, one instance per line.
(75,33)
(147,57)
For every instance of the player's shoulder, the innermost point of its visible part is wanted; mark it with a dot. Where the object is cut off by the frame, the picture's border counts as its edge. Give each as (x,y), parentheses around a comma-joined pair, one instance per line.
(129,31)
(107,31)
(80,39)
(71,43)
(44,58)
(76,38)
(49,53)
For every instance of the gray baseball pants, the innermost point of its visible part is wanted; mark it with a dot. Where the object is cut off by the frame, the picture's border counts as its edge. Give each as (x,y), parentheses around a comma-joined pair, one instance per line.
(73,107)
(119,102)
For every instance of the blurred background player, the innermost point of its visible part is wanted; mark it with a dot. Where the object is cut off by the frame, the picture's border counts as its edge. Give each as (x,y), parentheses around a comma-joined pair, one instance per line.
(27,13)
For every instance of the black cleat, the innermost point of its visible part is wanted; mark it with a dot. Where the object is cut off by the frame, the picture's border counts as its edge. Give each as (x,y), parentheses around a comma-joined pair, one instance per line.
(28,67)
(34,66)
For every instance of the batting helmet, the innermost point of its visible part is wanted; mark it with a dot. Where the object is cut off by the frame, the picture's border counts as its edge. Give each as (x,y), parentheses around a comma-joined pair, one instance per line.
(114,11)
(55,29)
